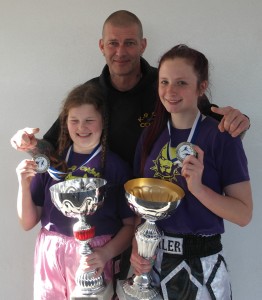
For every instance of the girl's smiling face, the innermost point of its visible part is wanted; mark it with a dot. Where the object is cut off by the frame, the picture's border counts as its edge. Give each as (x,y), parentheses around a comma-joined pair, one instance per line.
(178,86)
(85,126)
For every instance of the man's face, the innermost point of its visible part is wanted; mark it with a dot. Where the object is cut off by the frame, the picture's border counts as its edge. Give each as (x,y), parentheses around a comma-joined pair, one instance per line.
(122,48)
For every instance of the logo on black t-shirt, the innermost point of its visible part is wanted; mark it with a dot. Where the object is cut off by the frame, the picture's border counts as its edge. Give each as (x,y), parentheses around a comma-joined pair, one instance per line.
(146,119)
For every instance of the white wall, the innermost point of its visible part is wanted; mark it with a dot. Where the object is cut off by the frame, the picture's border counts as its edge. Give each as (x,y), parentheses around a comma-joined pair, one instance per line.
(49,46)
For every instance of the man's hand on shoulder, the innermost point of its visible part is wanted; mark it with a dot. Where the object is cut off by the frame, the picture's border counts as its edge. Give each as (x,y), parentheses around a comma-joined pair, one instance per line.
(24,139)
(233,121)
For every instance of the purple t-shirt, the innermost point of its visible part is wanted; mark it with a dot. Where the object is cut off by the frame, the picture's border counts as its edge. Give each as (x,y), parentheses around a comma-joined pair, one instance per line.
(225,163)
(108,218)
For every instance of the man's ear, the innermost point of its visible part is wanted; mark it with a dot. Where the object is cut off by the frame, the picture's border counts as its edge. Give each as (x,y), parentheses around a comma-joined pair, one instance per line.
(101,45)
(143,45)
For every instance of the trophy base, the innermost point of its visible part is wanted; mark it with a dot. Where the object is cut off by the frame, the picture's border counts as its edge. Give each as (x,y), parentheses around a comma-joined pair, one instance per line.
(123,296)
(106,294)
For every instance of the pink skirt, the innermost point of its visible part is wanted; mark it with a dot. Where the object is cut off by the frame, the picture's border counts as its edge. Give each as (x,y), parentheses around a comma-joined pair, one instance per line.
(55,264)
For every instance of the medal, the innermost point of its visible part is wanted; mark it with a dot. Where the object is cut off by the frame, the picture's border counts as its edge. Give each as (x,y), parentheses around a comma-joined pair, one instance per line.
(42,162)
(184,149)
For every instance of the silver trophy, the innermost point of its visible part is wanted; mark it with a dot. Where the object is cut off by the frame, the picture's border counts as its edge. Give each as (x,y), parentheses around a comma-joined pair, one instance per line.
(78,198)
(152,199)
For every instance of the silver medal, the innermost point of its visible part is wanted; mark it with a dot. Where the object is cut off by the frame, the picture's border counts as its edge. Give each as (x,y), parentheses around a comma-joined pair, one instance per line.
(43,163)
(184,149)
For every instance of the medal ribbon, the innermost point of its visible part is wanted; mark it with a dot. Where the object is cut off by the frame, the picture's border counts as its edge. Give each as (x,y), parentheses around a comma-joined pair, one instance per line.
(192,135)
(57,175)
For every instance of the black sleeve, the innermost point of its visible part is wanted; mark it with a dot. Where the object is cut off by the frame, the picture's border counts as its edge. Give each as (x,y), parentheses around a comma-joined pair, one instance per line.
(53,133)
(204,106)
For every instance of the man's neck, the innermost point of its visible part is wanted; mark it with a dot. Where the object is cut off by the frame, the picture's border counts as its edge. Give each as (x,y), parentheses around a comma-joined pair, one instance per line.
(125,83)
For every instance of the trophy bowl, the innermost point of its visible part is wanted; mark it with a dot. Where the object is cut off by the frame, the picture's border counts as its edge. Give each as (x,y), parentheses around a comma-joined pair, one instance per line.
(78,198)
(152,199)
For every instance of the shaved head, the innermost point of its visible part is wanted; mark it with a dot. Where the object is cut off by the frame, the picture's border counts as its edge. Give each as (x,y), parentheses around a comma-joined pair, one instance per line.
(124,18)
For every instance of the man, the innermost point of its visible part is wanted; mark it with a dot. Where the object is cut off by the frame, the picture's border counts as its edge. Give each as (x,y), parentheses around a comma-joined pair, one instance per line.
(130,87)
(129,84)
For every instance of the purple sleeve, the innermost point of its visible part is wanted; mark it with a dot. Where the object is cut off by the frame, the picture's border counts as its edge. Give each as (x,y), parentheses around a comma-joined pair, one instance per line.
(232,160)
(118,173)
(123,207)
(38,189)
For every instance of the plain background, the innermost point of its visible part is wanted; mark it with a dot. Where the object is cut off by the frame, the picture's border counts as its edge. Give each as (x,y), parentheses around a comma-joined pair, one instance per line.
(47,47)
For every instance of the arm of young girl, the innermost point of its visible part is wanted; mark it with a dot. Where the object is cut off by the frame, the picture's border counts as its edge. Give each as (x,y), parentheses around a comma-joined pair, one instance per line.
(28,213)
(235,205)
(121,241)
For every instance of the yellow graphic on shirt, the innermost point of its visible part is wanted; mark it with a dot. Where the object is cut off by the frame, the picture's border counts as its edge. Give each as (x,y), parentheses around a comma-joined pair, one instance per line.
(89,173)
(146,119)
(166,166)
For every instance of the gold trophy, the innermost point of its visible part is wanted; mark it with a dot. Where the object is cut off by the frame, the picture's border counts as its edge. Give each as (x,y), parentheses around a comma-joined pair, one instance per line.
(152,199)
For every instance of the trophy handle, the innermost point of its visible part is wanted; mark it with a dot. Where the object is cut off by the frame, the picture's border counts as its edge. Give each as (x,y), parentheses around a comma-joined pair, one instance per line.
(148,236)
(86,281)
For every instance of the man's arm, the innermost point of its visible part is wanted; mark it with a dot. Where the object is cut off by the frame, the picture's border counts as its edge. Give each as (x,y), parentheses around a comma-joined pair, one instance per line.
(25,140)
(231,119)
